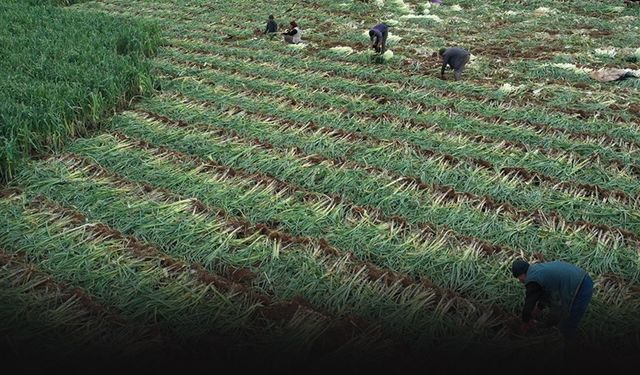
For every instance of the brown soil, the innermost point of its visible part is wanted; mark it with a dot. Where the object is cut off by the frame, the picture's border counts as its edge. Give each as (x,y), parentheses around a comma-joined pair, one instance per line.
(241,275)
(9,192)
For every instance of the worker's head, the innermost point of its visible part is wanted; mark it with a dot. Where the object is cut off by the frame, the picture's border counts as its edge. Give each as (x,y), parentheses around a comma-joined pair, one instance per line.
(441,51)
(271,16)
(293,24)
(519,269)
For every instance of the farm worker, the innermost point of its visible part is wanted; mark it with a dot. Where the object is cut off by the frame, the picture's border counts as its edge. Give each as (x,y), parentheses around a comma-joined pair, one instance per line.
(294,35)
(378,36)
(562,286)
(272,26)
(456,58)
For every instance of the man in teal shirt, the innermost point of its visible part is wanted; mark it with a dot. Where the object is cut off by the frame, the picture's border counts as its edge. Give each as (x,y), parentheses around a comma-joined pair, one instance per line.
(563,287)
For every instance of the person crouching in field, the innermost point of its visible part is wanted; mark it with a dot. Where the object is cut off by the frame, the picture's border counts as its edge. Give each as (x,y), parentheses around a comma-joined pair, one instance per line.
(378,36)
(294,35)
(456,58)
(565,288)
(272,27)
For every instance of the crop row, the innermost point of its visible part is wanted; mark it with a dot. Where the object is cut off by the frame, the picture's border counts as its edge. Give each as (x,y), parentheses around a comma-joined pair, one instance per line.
(359,154)
(35,305)
(214,109)
(368,108)
(105,263)
(359,186)
(116,193)
(242,33)
(76,183)
(565,166)
(535,118)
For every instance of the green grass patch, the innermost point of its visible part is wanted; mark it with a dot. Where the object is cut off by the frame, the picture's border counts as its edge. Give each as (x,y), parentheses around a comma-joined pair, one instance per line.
(66,69)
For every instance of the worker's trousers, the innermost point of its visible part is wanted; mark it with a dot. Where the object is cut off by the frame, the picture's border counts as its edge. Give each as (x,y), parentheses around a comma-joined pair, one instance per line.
(569,327)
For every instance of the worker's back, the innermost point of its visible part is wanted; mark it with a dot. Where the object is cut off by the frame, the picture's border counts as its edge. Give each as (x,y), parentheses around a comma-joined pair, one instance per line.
(559,279)
(381,28)
(272,26)
(456,57)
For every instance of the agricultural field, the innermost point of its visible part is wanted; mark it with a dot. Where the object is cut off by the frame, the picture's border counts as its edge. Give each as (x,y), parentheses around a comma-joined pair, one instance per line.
(62,72)
(309,205)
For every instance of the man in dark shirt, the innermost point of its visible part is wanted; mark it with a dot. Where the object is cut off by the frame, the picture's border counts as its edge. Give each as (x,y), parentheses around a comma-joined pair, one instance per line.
(565,288)
(456,58)
(378,36)
(272,26)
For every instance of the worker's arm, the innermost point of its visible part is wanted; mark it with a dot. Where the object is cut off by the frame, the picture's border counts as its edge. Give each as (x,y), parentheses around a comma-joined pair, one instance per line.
(291,32)
(532,296)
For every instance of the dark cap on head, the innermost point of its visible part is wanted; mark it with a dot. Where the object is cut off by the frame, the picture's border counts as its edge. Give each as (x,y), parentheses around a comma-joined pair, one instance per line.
(271,16)
(518,267)
(442,51)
